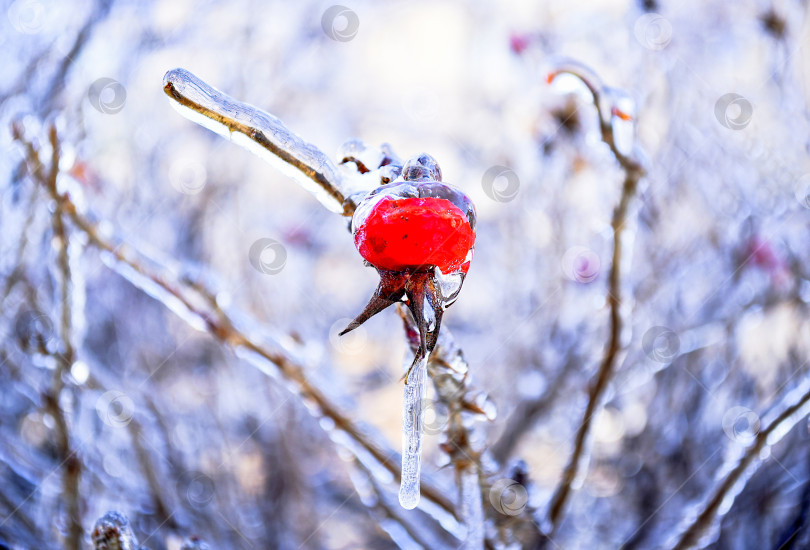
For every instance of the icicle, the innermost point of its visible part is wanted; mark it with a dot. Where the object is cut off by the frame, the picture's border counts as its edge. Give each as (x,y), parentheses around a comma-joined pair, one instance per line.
(472,511)
(415,390)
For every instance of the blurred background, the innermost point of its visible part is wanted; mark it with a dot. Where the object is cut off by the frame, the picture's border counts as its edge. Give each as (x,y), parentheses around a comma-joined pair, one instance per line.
(185,438)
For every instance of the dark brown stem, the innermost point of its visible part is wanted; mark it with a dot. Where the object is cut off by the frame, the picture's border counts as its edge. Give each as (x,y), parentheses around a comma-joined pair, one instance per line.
(71,465)
(633,173)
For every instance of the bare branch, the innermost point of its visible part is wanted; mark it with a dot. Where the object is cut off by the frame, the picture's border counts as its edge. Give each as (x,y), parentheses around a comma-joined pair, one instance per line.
(734,481)
(529,411)
(633,173)
(69,461)
(203,307)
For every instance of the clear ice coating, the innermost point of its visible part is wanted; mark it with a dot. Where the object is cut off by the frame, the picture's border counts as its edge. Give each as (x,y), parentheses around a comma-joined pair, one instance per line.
(260,133)
(113,530)
(421,249)
(415,390)
(408,189)
(472,511)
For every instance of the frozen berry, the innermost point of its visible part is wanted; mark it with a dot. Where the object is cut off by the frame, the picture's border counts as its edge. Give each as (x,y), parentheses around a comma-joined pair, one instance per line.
(419,233)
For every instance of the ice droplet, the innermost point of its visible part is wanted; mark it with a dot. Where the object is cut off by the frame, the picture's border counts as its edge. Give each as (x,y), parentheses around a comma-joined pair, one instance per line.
(449,286)
(415,389)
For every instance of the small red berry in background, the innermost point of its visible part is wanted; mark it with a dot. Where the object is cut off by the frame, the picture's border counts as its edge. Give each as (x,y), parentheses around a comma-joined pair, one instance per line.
(760,253)
(419,233)
(518,43)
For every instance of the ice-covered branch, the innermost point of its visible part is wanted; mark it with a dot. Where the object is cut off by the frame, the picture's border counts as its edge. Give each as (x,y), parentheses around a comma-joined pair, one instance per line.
(69,461)
(633,172)
(112,531)
(198,307)
(791,409)
(261,133)
(606,109)
(405,529)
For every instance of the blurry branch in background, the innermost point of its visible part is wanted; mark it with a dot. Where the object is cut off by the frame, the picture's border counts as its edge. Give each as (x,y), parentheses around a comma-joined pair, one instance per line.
(633,172)
(529,411)
(196,305)
(795,406)
(396,521)
(17,274)
(66,356)
(97,15)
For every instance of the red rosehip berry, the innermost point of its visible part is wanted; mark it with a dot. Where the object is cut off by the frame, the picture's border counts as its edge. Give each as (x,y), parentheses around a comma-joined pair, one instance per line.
(419,233)
(411,228)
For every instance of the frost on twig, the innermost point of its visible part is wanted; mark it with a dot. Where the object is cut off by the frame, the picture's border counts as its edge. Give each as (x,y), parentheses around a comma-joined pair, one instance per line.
(198,306)
(633,171)
(70,463)
(261,133)
(113,532)
(702,530)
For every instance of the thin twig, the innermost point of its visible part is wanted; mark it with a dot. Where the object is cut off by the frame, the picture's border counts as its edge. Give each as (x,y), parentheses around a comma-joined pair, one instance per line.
(779,427)
(633,173)
(392,511)
(528,411)
(163,516)
(71,471)
(221,326)
(16,274)
(98,14)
